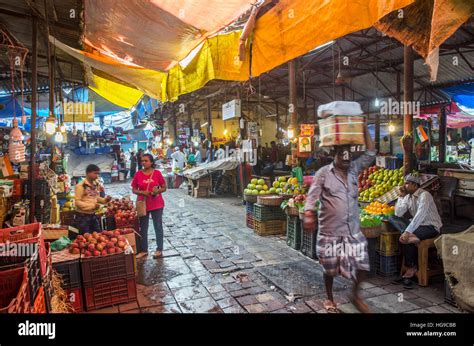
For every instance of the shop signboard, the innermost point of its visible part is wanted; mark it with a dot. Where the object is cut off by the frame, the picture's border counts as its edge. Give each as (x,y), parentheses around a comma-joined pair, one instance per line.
(307,130)
(252,130)
(231,110)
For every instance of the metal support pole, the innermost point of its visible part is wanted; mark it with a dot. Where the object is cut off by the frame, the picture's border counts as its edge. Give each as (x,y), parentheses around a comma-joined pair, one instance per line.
(442,134)
(408,99)
(209,127)
(34,93)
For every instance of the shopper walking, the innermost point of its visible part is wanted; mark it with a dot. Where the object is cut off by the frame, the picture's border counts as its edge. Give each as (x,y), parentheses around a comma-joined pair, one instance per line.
(149,184)
(139,158)
(133,164)
(341,247)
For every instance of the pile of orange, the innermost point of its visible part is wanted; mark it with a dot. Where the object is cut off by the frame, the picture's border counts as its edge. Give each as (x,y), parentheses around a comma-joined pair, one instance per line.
(377,208)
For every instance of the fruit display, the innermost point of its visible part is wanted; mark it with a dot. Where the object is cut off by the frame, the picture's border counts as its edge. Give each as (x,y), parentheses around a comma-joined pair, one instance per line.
(288,187)
(69,205)
(378,182)
(257,187)
(296,202)
(364,181)
(123,211)
(377,208)
(99,244)
(367,221)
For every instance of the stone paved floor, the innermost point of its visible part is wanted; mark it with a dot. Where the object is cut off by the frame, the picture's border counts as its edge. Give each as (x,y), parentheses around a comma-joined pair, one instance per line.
(214,263)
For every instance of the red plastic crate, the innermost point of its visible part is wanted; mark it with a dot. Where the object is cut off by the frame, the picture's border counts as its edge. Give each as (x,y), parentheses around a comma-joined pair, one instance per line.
(105,294)
(14,297)
(106,268)
(39,306)
(75,298)
(250,222)
(30,233)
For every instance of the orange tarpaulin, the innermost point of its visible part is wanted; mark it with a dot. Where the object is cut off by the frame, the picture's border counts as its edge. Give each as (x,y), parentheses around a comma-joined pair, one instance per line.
(155,34)
(294,27)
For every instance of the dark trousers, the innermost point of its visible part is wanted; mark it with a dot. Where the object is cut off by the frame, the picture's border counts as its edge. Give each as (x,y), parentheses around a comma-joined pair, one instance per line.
(157,217)
(410,250)
(87,223)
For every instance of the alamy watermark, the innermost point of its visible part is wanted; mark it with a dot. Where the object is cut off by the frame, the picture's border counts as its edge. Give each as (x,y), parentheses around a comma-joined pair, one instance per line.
(239,155)
(18,249)
(344,249)
(393,107)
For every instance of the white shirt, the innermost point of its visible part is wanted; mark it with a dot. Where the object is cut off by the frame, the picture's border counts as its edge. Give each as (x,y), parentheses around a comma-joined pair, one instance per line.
(422,207)
(220,154)
(178,160)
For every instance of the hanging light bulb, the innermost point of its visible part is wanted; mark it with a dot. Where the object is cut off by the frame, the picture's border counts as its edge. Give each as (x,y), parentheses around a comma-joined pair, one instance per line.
(377,102)
(74,130)
(391,127)
(62,128)
(50,124)
(58,137)
(290,132)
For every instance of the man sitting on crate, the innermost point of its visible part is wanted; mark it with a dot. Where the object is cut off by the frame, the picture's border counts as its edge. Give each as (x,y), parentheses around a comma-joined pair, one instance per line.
(425,224)
(340,246)
(88,200)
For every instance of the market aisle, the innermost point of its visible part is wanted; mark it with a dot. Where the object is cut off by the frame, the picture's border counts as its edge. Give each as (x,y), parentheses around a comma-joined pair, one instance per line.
(214,263)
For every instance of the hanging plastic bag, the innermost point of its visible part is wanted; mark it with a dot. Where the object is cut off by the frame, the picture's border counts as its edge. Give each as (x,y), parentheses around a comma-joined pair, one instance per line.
(298,173)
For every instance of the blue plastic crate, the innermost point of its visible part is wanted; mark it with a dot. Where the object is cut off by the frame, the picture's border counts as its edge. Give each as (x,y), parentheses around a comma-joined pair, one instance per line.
(387,265)
(249,208)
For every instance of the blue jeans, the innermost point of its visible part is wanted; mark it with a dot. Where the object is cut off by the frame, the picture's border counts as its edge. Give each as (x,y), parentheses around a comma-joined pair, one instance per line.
(157,217)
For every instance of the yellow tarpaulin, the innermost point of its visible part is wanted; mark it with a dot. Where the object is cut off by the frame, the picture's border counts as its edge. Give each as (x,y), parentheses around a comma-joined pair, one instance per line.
(294,27)
(218,58)
(116,93)
(145,80)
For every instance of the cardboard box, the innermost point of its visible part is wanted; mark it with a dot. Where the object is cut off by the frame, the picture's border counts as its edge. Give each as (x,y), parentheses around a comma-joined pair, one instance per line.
(132,241)
(342,130)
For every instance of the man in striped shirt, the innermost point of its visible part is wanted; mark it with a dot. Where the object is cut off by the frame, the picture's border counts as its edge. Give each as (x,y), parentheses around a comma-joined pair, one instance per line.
(425,223)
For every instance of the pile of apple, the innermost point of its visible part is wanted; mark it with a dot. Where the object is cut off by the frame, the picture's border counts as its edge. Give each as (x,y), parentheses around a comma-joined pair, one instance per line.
(99,244)
(364,178)
(122,210)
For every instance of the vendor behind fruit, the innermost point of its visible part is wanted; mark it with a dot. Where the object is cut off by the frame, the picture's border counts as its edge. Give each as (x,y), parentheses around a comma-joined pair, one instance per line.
(88,201)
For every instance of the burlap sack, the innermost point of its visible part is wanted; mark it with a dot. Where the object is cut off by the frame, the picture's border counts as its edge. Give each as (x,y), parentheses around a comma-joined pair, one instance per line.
(457,252)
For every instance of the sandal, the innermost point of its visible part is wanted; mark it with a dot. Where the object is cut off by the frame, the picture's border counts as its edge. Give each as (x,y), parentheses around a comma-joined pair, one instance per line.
(330,307)
(141,255)
(158,254)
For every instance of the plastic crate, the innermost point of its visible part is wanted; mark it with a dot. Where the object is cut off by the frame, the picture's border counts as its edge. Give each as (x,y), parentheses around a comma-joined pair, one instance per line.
(106,268)
(39,305)
(250,223)
(387,265)
(266,213)
(14,297)
(269,227)
(100,295)
(70,272)
(372,244)
(293,232)
(75,298)
(308,242)
(30,233)
(249,207)
(388,244)
(32,266)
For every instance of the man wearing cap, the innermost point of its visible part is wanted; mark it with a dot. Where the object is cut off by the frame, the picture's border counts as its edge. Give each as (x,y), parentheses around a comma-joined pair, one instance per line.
(424,224)
(341,247)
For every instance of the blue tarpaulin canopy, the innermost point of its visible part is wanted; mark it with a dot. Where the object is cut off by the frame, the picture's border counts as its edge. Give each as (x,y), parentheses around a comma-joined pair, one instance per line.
(463,95)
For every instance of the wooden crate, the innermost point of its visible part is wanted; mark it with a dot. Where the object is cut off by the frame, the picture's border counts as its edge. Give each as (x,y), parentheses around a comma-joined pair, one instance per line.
(270,227)
(201,192)
(203,182)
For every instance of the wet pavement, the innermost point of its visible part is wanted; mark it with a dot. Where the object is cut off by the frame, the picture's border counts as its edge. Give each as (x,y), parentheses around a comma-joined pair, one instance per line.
(213,263)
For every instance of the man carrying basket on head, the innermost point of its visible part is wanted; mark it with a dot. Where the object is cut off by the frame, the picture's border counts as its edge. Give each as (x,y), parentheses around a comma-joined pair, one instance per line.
(341,247)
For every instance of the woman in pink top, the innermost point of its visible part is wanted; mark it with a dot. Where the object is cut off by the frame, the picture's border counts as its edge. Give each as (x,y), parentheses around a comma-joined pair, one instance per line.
(149,183)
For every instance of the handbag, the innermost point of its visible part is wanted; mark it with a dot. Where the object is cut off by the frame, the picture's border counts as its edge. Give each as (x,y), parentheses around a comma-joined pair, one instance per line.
(140,205)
